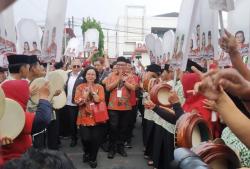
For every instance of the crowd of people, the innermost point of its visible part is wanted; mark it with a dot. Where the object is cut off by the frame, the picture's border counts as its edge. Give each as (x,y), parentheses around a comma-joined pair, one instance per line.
(220,96)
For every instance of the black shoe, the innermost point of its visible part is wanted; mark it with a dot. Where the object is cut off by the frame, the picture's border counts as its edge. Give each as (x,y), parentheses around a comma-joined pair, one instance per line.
(121,151)
(93,164)
(85,158)
(127,144)
(111,154)
(73,143)
(104,147)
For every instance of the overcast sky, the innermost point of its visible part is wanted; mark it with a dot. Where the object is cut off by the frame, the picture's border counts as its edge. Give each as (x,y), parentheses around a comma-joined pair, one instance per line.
(106,11)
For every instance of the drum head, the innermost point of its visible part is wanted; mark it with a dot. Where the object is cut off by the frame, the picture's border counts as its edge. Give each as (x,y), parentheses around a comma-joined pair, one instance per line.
(219,164)
(39,82)
(63,74)
(196,136)
(56,82)
(2,102)
(14,114)
(163,95)
(59,101)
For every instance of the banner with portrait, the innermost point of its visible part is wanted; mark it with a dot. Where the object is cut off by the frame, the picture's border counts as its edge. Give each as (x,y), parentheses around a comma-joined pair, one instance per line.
(29,41)
(73,48)
(183,34)
(168,45)
(91,40)
(52,40)
(203,44)
(239,25)
(7,31)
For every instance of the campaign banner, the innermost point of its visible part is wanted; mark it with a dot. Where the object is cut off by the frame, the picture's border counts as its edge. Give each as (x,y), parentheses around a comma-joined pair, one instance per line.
(183,34)
(7,31)
(168,45)
(7,35)
(73,48)
(239,25)
(52,40)
(29,41)
(203,44)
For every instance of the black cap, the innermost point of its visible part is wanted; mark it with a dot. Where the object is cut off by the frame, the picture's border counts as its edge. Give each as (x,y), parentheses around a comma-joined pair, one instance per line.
(33,59)
(58,65)
(191,63)
(121,59)
(2,69)
(18,59)
(154,68)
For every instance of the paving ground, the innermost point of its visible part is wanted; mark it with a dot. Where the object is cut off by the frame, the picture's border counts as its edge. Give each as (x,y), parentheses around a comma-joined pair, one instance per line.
(134,160)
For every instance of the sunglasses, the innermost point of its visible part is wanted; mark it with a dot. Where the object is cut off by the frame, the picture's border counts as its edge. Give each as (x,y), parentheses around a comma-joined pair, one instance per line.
(76,66)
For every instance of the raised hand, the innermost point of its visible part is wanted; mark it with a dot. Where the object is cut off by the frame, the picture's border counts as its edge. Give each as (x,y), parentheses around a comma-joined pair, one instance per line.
(44,91)
(228,43)
(5,141)
(173,98)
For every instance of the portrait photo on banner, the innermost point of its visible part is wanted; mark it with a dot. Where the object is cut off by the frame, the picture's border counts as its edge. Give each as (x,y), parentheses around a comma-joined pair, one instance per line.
(91,40)
(204,35)
(240,27)
(29,40)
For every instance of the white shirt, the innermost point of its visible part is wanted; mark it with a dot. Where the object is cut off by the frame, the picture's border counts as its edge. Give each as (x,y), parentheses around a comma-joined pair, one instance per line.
(71,83)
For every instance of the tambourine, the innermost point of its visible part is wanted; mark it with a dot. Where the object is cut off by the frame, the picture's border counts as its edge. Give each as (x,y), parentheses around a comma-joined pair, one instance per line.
(152,82)
(217,155)
(159,94)
(63,74)
(38,82)
(191,130)
(59,101)
(2,102)
(56,81)
(13,119)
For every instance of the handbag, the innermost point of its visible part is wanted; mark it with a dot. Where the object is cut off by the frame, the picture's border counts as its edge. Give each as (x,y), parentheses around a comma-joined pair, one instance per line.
(100,112)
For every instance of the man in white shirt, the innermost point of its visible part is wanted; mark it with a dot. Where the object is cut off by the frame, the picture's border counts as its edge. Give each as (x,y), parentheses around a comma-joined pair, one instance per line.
(74,79)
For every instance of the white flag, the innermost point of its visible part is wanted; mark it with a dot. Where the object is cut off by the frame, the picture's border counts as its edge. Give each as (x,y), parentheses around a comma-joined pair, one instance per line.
(29,41)
(53,33)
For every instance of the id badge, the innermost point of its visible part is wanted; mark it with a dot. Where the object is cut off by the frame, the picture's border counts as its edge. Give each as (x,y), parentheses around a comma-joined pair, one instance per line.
(119,93)
(214,117)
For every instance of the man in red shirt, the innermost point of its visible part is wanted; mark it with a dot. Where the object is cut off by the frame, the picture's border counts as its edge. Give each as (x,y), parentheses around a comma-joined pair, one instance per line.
(120,85)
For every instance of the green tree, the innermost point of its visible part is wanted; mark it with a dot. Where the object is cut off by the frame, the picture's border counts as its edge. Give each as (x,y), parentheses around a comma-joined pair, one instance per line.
(92,23)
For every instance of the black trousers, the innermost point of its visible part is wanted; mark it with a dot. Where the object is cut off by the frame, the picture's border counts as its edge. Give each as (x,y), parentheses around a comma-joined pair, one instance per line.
(131,122)
(92,138)
(64,124)
(149,137)
(73,113)
(118,121)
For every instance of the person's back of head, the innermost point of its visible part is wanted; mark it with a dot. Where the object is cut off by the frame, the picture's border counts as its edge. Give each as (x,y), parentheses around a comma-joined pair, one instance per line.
(41,159)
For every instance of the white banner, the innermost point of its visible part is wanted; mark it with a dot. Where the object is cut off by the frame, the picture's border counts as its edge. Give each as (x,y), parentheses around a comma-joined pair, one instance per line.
(203,44)
(239,25)
(29,41)
(53,33)
(91,40)
(7,31)
(183,33)
(73,48)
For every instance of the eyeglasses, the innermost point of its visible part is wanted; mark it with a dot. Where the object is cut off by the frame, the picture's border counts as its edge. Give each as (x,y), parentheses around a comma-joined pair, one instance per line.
(76,66)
